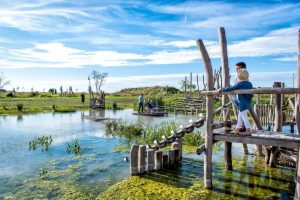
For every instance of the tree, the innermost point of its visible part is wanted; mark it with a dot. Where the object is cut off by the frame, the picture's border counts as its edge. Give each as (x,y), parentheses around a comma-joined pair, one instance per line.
(3,81)
(99,79)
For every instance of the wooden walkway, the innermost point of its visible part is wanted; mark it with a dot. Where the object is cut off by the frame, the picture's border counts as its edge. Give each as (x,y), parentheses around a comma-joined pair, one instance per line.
(265,138)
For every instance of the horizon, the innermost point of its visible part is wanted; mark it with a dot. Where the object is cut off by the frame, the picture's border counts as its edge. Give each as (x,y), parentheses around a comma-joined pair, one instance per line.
(49,43)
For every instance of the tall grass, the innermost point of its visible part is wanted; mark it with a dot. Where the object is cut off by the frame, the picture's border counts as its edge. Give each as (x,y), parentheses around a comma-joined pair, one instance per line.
(138,133)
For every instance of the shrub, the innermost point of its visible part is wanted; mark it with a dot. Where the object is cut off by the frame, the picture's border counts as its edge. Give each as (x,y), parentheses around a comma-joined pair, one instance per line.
(10,94)
(114,106)
(33,94)
(20,107)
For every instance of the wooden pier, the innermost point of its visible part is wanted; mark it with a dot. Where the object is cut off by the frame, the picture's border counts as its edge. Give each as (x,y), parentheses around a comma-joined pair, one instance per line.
(270,141)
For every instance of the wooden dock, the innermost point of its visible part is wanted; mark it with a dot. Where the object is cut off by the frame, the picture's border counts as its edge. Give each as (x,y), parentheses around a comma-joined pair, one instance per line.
(265,138)
(222,130)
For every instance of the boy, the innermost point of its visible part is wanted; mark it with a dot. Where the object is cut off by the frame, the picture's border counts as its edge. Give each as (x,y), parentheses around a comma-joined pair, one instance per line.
(244,100)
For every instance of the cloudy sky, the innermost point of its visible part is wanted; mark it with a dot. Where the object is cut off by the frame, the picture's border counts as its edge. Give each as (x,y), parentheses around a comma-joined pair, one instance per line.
(48,43)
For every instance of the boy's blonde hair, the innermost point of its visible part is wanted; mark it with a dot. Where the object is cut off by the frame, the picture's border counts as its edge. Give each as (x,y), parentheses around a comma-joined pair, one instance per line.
(243,74)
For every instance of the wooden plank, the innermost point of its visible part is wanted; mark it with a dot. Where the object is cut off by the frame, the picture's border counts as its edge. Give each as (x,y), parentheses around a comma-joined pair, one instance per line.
(257,140)
(209,117)
(256,91)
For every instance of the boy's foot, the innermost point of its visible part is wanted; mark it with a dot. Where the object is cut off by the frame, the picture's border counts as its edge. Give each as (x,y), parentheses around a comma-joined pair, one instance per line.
(237,131)
(246,133)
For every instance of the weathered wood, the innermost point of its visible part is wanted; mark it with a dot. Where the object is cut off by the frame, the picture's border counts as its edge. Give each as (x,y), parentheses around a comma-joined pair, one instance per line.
(171,155)
(158,160)
(292,103)
(297,100)
(267,155)
(256,91)
(258,139)
(150,159)
(200,149)
(209,117)
(278,110)
(297,112)
(175,146)
(142,159)
(134,154)
(297,190)
(245,148)
(257,123)
(225,98)
(166,161)
(224,124)
(179,141)
(277,126)
(275,151)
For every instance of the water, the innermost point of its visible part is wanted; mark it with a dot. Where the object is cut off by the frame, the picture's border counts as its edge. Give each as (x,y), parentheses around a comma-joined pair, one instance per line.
(98,163)
(54,173)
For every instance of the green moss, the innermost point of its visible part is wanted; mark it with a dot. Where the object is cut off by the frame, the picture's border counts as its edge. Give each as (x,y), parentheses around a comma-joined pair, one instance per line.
(121,148)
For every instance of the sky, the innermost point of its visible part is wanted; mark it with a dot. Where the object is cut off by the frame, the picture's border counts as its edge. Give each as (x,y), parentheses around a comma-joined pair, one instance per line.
(51,43)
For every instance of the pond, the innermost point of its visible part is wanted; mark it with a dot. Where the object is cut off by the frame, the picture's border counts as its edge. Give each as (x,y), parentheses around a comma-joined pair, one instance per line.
(27,174)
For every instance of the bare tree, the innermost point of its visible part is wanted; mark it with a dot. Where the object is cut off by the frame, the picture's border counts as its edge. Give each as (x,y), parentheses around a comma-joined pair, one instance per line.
(3,81)
(99,79)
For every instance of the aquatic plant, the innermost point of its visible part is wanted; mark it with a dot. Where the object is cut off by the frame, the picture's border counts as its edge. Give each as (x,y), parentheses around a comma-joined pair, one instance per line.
(41,142)
(74,148)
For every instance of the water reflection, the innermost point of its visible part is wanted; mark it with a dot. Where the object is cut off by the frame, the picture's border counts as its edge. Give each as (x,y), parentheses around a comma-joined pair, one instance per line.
(99,167)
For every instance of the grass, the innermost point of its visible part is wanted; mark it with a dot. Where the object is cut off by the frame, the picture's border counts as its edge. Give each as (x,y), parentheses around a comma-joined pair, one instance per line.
(138,133)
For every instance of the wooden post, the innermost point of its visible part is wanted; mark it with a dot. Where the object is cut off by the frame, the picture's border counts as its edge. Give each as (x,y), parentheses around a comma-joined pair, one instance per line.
(166,161)
(142,161)
(258,148)
(209,117)
(179,141)
(278,125)
(175,146)
(297,100)
(225,99)
(297,119)
(257,123)
(297,190)
(150,159)
(171,155)
(134,154)
(158,160)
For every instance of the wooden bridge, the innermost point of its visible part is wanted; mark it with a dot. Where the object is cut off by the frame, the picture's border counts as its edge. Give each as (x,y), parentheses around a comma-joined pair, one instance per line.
(271,142)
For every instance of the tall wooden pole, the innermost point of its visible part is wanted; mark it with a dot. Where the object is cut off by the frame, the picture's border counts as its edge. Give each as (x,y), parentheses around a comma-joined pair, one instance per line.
(225,99)
(297,116)
(209,117)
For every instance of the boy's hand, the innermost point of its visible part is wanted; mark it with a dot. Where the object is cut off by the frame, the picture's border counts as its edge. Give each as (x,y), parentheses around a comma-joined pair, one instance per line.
(219,91)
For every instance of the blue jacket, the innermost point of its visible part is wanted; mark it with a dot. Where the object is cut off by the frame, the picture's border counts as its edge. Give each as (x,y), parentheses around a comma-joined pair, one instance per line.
(244,100)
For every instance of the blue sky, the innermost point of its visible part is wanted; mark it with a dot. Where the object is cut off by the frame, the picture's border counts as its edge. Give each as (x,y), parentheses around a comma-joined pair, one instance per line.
(48,43)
